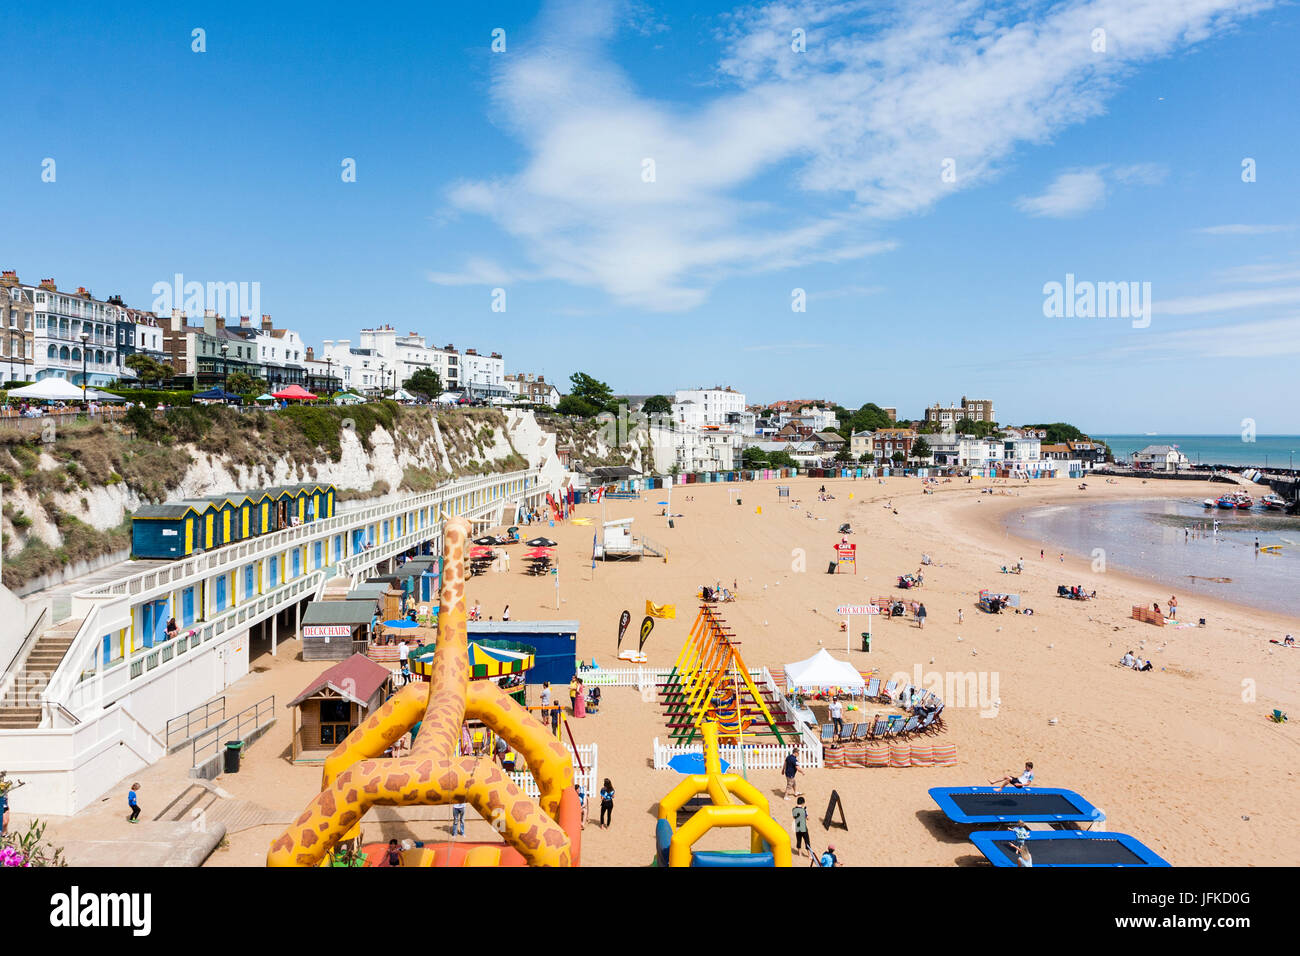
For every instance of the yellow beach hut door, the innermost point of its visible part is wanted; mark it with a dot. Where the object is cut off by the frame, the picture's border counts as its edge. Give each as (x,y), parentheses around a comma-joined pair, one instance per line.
(189,536)
(207,530)
(225,527)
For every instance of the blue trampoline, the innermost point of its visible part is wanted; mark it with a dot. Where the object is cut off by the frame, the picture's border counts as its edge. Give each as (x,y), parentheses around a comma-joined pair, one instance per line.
(693,763)
(1066,848)
(1031,804)
(401,624)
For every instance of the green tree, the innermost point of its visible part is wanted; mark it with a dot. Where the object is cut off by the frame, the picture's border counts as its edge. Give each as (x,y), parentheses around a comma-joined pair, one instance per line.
(897,458)
(657,404)
(147,368)
(241,383)
(965,426)
(574,405)
(866,458)
(920,448)
(424,381)
(1058,432)
(844,454)
(593,391)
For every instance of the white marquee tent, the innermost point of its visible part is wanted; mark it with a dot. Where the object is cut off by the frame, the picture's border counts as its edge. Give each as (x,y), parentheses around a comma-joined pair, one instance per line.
(49,390)
(822,670)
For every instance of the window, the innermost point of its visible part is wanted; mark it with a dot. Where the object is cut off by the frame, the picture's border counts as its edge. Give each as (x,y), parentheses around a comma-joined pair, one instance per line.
(335,721)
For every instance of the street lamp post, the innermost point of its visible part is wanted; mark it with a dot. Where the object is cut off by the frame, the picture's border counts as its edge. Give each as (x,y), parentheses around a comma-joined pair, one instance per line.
(85,337)
(225,369)
(383,378)
(329,374)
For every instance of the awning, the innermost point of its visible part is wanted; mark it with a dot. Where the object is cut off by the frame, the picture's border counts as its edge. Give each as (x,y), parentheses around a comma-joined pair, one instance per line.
(486,659)
(294,393)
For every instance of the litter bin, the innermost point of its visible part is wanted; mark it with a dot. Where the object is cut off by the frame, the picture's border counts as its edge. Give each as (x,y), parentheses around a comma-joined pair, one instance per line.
(670,523)
(866,641)
(233,747)
(739,502)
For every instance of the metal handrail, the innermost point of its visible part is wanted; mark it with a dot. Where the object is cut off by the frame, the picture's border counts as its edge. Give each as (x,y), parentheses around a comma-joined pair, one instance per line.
(38,627)
(239,720)
(188,717)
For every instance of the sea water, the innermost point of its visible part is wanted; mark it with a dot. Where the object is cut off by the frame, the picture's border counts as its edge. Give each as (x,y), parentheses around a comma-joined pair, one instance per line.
(1275,451)
(1173,543)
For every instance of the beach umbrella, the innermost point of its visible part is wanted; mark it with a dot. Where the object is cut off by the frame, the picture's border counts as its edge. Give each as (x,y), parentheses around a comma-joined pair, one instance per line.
(49,390)
(480,552)
(265,397)
(401,624)
(540,543)
(692,763)
(661,502)
(485,540)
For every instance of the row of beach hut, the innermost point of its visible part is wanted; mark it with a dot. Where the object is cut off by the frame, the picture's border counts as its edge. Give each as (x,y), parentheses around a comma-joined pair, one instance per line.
(179,529)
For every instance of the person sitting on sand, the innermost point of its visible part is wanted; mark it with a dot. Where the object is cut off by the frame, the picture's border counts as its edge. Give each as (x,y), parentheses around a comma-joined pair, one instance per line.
(1010,780)
(1128,660)
(1288,641)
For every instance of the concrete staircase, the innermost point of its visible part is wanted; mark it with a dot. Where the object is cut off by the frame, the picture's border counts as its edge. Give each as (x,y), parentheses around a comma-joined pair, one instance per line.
(20,708)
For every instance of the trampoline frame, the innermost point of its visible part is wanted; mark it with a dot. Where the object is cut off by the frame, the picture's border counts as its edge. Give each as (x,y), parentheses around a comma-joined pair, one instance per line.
(984,841)
(1087,813)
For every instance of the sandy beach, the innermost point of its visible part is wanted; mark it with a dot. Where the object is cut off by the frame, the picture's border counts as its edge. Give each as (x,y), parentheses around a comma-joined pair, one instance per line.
(1181,757)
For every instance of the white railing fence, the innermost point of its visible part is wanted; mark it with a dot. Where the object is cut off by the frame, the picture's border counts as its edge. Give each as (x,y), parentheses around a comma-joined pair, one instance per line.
(754,757)
(588,777)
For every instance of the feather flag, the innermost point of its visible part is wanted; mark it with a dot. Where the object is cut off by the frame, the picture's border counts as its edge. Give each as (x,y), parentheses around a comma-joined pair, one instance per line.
(624,620)
(647,625)
(668,611)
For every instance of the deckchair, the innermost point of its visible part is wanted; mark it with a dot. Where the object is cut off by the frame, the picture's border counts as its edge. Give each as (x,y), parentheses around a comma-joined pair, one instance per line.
(873,688)
(878,729)
(828,733)
(889,690)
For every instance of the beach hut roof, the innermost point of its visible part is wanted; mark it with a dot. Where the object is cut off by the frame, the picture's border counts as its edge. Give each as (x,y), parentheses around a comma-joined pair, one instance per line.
(355,679)
(339,612)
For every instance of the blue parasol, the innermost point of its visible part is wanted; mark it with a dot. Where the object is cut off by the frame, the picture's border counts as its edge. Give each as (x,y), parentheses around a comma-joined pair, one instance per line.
(692,763)
(400,623)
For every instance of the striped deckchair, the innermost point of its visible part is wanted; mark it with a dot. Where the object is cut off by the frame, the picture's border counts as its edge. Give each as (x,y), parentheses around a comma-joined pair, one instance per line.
(890,689)
(873,688)
(911,725)
(877,729)
(828,733)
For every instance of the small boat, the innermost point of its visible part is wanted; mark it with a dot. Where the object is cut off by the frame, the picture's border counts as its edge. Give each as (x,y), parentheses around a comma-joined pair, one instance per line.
(1273,502)
(1208,502)
(1227,501)
(1244,501)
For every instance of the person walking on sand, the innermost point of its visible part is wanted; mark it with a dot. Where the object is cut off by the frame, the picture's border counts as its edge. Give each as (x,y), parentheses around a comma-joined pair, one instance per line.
(505,615)
(1011,780)
(133,802)
(920,616)
(959,615)
(458,818)
(1173,607)
(801,840)
(606,804)
(790,770)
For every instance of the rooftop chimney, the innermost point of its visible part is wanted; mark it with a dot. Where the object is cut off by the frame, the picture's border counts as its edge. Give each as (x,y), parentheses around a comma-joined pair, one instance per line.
(244,321)
(8,278)
(266,323)
(221,323)
(178,319)
(82,291)
(49,284)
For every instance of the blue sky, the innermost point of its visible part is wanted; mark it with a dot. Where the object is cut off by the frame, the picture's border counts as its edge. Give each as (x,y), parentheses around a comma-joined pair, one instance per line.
(774,170)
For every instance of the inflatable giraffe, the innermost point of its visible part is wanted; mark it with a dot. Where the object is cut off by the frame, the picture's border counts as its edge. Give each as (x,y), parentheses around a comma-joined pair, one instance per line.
(356,778)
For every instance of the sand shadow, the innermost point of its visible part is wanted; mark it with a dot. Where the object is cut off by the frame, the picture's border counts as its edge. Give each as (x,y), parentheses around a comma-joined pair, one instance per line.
(943,829)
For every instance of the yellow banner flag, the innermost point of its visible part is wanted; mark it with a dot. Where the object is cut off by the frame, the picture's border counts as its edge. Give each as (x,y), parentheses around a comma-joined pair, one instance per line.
(660,610)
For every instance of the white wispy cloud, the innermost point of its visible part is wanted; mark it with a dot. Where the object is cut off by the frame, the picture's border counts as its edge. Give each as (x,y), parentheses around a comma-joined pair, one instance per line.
(1071,194)
(857,129)
(1079,190)
(1228,301)
(1239,229)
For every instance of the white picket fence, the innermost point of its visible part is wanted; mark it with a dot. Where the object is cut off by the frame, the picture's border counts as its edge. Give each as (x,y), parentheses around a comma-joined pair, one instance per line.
(587,777)
(755,756)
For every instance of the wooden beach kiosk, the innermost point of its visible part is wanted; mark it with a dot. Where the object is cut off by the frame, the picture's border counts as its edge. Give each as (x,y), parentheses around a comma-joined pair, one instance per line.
(334,704)
(335,630)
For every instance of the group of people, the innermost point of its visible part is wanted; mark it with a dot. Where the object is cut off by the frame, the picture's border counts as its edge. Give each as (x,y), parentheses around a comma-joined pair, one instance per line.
(1173,608)
(1131,660)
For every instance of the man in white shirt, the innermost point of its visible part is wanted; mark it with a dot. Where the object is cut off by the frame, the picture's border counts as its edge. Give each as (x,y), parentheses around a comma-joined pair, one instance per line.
(1127,660)
(837,716)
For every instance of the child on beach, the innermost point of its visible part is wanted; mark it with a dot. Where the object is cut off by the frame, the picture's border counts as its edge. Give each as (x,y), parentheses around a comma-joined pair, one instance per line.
(1011,780)
(133,802)
(800,814)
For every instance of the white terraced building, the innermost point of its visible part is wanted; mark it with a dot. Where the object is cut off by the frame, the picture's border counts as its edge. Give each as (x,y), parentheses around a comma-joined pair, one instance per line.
(75,718)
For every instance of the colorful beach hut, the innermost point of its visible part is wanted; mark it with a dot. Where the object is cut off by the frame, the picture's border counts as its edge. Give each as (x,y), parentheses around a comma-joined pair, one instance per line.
(175,529)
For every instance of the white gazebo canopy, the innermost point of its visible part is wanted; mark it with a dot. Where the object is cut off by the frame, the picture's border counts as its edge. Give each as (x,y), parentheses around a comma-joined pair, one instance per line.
(822,670)
(49,390)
